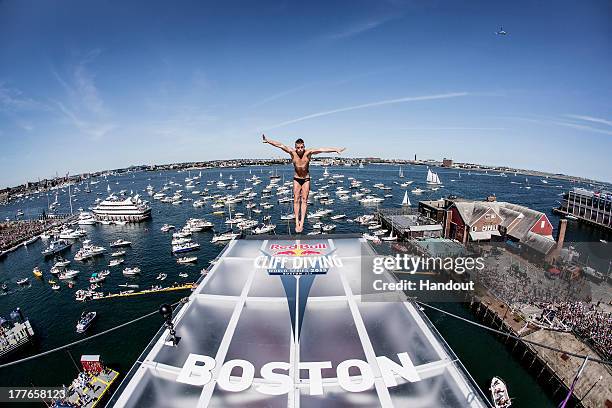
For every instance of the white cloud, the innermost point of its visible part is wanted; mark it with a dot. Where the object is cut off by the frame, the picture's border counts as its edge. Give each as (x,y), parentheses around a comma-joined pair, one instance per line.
(369,105)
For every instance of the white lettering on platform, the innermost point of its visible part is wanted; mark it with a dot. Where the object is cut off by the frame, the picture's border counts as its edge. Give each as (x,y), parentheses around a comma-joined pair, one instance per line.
(197,370)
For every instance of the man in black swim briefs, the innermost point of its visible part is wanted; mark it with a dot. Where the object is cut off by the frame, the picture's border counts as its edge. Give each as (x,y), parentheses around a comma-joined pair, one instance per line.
(300,157)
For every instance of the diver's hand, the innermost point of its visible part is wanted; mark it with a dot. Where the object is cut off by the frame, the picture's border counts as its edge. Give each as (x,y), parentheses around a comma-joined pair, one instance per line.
(264,139)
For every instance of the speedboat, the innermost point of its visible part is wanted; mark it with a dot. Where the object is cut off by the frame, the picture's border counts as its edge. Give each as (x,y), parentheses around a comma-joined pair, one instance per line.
(264,229)
(183,275)
(161,276)
(68,274)
(226,236)
(120,243)
(131,271)
(56,247)
(499,392)
(61,262)
(23,281)
(186,247)
(187,259)
(115,262)
(118,253)
(85,321)
(167,227)
(37,272)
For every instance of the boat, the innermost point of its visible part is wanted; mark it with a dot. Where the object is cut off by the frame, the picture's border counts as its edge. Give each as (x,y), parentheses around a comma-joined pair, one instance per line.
(23,281)
(432,178)
(115,262)
(401,173)
(85,321)
(161,276)
(131,271)
(417,191)
(187,259)
(186,247)
(88,251)
(55,247)
(31,240)
(130,209)
(329,227)
(120,243)
(265,228)
(226,236)
(68,274)
(337,216)
(61,262)
(372,238)
(85,218)
(118,253)
(37,272)
(499,393)
(126,285)
(55,286)
(406,200)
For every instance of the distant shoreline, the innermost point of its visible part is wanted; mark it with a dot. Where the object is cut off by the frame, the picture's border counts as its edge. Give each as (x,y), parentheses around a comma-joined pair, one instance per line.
(49,184)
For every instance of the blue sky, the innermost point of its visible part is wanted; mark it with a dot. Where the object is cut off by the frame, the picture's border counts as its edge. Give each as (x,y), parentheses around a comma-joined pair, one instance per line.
(87,86)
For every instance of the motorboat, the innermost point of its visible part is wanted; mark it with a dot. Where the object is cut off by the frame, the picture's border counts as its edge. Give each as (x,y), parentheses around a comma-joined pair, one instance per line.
(23,281)
(68,274)
(118,253)
(186,247)
(120,243)
(187,259)
(115,262)
(37,272)
(56,247)
(265,228)
(85,321)
(131,271)
(161,276)
(499,393)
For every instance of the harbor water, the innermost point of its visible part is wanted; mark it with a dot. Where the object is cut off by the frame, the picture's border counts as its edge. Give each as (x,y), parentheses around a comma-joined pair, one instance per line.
(54,314)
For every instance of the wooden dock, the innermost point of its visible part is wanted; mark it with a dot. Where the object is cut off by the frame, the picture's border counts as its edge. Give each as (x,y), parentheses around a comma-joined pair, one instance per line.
(185,286)
(552,369)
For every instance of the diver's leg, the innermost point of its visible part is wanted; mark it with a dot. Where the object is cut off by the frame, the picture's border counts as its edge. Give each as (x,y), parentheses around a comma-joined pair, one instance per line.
(296,204)
(305,190)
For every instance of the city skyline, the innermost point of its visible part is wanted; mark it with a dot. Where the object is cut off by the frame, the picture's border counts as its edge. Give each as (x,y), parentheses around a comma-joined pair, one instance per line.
(102,86)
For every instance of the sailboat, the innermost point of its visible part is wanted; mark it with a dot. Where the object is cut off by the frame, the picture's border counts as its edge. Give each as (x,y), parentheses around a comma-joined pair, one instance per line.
(406,200)
(361,165)
(432,178)
(325,173)
(401,173)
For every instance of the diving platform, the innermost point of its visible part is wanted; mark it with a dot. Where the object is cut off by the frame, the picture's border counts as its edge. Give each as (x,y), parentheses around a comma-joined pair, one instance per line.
(280,321)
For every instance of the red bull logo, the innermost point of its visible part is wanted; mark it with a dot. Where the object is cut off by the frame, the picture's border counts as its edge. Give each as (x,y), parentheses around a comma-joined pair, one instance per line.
(298,249)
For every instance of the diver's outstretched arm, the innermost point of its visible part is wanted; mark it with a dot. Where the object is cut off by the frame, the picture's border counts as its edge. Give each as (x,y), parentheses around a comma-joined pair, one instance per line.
(276,144)
(326,150)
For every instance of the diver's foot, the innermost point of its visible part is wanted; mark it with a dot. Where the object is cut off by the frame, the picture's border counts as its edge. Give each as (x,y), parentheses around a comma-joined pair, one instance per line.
(299,228)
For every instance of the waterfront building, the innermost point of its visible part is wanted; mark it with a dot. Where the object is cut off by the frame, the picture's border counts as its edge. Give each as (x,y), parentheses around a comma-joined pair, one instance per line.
(491,220)
(592,207)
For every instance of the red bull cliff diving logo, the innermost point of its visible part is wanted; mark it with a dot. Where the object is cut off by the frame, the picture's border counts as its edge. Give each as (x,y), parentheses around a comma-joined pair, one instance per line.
(298,259)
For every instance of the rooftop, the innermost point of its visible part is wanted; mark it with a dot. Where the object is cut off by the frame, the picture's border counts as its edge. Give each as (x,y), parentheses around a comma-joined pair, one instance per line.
(295,306)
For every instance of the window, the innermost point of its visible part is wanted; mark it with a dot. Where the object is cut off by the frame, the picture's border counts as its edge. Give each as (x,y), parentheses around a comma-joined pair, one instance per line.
(542,224)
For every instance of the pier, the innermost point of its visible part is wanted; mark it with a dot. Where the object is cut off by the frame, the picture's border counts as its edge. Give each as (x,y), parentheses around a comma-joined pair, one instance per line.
(148,291)
(555,371)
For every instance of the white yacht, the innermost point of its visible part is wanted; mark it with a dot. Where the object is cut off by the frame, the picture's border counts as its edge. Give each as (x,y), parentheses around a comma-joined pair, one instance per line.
(85,218)
(131,209)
